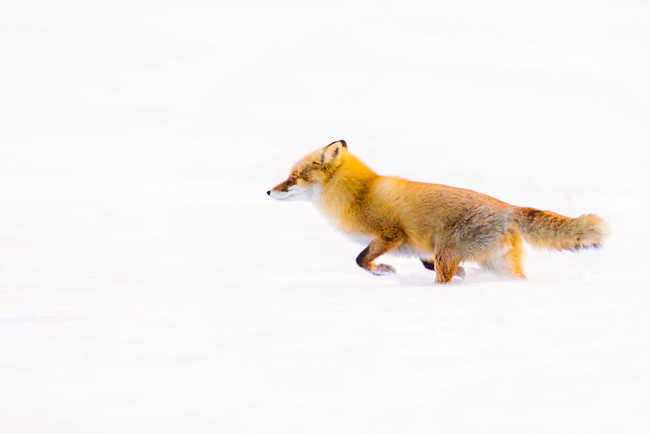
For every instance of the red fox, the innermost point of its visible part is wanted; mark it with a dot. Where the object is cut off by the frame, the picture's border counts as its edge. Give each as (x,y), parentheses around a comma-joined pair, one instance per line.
(443,226)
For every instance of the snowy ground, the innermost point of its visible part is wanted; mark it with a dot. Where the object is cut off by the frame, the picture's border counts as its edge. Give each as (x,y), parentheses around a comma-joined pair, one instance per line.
(148,284)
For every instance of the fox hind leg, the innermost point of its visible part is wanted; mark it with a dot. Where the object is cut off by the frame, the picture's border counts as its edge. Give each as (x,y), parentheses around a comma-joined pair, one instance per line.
(508,257)
(446,266)
(430,265)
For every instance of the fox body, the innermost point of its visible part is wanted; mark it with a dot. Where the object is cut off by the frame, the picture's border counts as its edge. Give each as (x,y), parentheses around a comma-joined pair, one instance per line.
(443,226)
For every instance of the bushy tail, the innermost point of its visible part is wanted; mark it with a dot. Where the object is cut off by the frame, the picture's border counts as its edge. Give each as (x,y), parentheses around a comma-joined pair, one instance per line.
(554,231)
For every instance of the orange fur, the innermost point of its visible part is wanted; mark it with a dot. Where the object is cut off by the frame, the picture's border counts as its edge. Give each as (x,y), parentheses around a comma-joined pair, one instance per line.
(442,225)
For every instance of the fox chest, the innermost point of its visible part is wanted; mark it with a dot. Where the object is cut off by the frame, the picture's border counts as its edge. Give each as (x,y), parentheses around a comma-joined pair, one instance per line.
(351,230)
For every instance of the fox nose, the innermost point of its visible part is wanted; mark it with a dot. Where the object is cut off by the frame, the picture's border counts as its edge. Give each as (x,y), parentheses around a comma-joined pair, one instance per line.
(268,192)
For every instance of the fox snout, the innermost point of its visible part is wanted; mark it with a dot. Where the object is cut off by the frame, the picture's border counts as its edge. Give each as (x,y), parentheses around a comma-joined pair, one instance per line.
(293,189)
(282,190)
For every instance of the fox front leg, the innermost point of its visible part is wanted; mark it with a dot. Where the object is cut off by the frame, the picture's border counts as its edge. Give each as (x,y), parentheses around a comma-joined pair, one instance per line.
(377,248)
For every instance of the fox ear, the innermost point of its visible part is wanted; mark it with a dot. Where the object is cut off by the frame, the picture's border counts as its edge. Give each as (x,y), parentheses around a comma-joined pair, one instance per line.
(333,151)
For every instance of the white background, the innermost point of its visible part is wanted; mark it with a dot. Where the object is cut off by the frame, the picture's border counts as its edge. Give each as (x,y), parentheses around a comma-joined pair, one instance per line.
(148,284)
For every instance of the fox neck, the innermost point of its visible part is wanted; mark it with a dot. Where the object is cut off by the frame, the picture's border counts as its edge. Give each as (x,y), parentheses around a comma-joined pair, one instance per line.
(345,191)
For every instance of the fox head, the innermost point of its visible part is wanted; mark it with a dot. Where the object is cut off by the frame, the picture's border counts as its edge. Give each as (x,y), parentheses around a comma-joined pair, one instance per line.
(309,174)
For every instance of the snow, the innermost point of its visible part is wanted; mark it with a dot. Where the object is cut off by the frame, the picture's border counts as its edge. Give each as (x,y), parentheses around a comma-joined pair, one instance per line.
(148,284)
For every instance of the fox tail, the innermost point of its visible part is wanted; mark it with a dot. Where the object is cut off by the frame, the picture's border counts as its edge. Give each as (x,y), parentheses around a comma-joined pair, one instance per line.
(546,229)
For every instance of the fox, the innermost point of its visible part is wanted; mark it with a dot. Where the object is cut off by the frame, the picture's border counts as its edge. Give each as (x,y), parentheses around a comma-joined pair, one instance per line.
(443,226)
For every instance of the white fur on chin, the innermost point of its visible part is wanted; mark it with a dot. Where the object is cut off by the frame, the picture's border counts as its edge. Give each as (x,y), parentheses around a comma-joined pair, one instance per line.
(298,192)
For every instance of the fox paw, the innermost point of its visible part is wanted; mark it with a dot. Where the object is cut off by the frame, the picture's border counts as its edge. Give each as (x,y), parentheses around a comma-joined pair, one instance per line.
(381,269)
